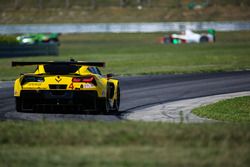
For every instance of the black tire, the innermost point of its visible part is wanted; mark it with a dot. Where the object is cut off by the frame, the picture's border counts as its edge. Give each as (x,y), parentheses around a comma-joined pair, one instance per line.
(53,40)
(103,106)
(117,101)
(204,39)
(18,104)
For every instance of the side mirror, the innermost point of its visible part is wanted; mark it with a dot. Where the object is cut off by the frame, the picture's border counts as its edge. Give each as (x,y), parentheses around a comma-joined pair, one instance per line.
(109,76)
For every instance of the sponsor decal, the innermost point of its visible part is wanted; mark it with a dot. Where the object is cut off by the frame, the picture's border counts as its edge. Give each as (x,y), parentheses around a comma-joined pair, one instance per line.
(71,86)
(88,85)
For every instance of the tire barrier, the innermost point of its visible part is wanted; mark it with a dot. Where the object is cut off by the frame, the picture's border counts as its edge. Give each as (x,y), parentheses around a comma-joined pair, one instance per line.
(17,50)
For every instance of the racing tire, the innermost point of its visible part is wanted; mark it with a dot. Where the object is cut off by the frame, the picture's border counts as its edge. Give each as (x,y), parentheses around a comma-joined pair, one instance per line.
(18,104)
(167,40)
(117,101)
(204,39)
(103,106)
(53,41)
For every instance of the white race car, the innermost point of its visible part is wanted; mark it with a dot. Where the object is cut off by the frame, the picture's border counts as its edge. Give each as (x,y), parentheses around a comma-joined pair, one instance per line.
(189,36)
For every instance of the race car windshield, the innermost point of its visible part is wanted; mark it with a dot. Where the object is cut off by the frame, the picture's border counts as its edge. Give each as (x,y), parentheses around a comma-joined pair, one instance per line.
(60,69)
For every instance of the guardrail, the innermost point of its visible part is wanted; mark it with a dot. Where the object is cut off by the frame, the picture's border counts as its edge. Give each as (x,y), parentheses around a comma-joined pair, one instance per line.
(123,27)
(16,50)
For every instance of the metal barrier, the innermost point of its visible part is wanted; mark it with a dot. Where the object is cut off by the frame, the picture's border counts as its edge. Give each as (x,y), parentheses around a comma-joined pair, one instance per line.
(16,50)
(123,27)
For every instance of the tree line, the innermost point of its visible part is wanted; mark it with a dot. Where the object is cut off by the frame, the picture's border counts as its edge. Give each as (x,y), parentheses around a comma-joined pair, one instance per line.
(93,3)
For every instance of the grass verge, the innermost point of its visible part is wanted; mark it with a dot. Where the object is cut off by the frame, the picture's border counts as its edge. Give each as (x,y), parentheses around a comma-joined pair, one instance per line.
(123,144)
(8,39)
(136,54)
(233,110)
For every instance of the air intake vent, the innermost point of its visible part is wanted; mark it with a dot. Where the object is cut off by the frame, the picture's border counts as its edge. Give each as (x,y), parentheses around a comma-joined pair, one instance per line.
(54,86)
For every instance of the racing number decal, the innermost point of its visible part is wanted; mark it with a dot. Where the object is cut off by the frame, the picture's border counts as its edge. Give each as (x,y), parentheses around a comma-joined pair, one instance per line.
(71,86)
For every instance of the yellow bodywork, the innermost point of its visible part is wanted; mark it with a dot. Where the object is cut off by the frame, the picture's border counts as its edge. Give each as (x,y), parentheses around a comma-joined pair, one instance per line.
(48,82)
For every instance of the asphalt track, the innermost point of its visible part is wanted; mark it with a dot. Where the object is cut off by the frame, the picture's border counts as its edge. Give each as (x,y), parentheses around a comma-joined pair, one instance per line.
(140,92)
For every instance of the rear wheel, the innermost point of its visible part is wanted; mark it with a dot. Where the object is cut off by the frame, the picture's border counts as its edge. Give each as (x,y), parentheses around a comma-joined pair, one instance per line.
(103,106)
(203,39)
(18,104)
(167,40)
(117,101)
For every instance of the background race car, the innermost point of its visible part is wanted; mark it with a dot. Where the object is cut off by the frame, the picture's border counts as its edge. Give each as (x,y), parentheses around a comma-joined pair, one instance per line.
(189,36)
(66,86)
(38,38)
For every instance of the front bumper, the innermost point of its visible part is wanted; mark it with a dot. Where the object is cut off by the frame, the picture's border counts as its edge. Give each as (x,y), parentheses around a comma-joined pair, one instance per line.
(62,100)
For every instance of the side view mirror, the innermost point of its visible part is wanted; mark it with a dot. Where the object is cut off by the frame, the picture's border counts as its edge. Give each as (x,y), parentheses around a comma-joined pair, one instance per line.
(110,76)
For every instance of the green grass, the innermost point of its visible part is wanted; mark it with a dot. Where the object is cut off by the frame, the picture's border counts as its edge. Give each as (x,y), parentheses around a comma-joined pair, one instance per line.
(132,143)
(8,39)
(233,110)
(123,144)
(136,54)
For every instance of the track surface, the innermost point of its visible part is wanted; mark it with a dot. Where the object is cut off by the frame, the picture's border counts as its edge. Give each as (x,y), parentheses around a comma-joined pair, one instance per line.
(143,91)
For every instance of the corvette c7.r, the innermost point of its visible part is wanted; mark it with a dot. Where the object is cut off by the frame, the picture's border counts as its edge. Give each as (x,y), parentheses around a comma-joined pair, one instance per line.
(66,86)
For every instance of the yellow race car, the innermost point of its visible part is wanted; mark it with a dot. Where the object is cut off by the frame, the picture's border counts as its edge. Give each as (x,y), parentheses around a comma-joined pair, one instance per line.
(66,86)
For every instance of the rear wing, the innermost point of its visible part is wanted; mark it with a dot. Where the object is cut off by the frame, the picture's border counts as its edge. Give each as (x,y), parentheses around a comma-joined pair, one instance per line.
(77,63)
